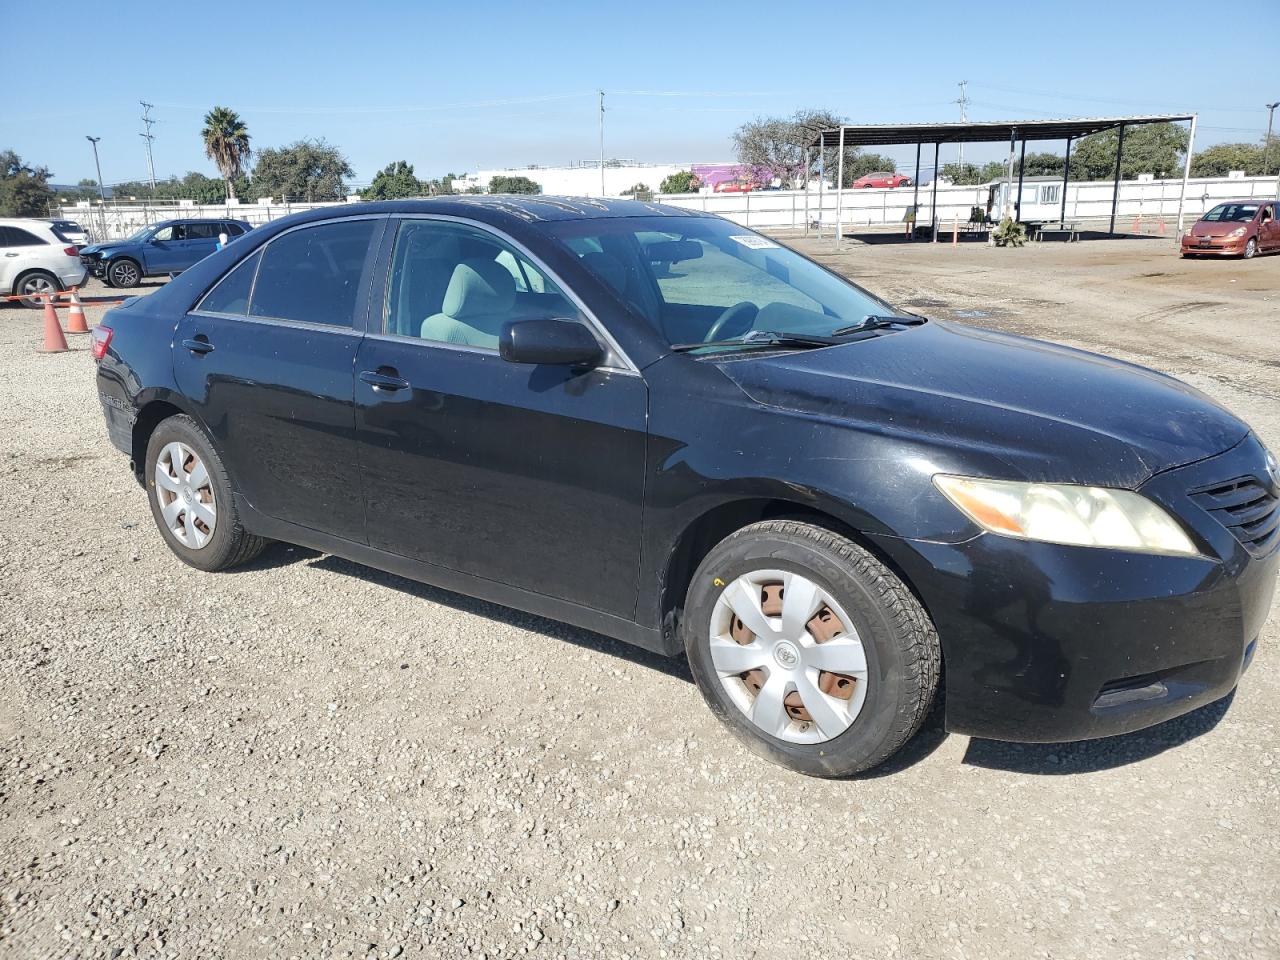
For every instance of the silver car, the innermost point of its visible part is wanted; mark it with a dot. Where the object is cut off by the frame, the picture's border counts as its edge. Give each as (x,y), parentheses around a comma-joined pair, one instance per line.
(35,260)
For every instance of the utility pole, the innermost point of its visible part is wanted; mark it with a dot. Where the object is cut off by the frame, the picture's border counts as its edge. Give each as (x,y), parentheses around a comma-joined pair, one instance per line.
(149,136)
(102,193)
(1266,144)
(602,193)
(964,118)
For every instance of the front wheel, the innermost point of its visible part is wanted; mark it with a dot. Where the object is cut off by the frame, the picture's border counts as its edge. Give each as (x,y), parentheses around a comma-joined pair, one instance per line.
(191,498)
(1251,249)
(812,651)
(123,273)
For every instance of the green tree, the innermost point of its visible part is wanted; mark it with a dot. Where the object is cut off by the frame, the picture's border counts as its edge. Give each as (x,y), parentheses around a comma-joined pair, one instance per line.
(777,147)
(1222,158)
(226,143)
(682,181)
(394,181)
(1155,148)
(24,190)
(308,170)
(513,185)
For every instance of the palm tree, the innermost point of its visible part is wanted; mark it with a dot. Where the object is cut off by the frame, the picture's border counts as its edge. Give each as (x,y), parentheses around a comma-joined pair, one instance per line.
(226,142)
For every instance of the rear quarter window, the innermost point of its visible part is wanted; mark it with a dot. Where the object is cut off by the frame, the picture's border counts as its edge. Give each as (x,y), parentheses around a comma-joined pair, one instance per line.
(231,294)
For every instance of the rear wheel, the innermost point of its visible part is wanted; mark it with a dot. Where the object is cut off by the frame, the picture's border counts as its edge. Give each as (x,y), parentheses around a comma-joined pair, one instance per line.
(35,286)
(191,498)
(812,651)
(123,273)
(1250,249)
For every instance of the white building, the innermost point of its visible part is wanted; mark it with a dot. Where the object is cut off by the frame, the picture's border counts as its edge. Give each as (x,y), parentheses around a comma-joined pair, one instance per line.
(581,179)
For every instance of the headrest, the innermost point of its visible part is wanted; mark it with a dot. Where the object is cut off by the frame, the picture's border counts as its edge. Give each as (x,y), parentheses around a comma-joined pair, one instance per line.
(479,287)
(608,268)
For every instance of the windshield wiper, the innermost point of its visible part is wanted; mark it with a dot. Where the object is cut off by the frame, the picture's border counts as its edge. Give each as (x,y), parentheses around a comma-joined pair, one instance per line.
(874,322)
(762,338)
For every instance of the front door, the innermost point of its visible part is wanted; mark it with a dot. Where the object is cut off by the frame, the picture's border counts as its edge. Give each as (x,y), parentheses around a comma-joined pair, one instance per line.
(1268,228)
(267,358)
(530,476)
(165,250)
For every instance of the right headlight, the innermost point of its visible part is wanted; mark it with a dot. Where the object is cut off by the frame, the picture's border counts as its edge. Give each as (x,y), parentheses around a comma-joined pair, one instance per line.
(1067,513)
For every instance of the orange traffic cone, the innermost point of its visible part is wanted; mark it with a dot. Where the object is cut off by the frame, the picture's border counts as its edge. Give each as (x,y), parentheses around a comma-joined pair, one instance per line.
(75,315)
(54,341)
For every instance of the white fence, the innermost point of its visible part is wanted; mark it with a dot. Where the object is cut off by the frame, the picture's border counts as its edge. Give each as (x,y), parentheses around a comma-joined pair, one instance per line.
(794,209)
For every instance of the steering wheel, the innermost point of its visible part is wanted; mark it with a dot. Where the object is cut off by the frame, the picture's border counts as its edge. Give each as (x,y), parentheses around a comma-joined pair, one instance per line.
(740,314)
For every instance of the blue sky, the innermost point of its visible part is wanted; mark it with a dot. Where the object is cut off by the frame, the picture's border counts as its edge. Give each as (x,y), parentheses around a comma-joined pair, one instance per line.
(456,86)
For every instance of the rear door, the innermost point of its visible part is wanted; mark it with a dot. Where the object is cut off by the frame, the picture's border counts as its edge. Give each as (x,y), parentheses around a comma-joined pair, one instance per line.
(202,240)
(267,357)
(528,475)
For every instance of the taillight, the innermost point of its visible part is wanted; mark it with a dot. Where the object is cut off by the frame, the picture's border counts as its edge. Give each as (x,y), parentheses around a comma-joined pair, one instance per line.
(101,340)
(71,251)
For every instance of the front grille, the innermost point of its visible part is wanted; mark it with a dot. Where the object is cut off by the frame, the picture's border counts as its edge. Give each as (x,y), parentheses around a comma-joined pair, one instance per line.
(1245,507)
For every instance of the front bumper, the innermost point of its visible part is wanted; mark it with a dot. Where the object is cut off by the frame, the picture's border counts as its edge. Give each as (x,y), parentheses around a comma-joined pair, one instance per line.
(1048,643)
(1218,247)
(94,266)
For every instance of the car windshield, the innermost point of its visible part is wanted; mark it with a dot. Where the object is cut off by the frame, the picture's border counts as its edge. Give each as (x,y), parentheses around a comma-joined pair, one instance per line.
(698,279)
(1232,213)
(141,235)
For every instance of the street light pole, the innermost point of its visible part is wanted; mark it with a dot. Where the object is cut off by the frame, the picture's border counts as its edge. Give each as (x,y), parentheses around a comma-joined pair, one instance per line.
(1266,144)
(602,191)
(102,193)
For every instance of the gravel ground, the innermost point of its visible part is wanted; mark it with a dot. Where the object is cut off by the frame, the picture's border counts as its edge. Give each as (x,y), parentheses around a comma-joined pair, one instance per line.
(308,758)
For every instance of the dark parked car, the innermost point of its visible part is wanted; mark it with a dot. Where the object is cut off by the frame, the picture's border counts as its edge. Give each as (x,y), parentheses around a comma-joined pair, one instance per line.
(165,248)
(741,458)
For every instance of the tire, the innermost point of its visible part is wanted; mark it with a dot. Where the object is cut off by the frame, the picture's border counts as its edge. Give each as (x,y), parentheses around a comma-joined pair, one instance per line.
(36,282)
(1250,249)
(226,543)
(123,273)
(902,655)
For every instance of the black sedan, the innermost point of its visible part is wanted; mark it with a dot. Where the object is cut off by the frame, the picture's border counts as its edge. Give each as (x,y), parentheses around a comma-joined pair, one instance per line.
(666,428)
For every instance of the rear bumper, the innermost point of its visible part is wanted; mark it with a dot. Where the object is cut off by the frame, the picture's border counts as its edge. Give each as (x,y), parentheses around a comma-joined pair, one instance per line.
(1048,643)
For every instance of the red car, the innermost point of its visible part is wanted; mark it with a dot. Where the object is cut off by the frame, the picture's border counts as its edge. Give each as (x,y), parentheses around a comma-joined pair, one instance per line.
(885,179)
(735,186)
(1235,228)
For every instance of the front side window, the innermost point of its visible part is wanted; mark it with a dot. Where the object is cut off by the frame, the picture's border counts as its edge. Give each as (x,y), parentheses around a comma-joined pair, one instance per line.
(167,233)
(312,274)
(699,279)
(453,283)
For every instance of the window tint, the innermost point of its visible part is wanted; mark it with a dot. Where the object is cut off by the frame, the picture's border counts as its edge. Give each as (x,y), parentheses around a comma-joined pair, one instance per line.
(203,231)
(313,274)
(232,229)
(231,295)
(451,283)
(17,237)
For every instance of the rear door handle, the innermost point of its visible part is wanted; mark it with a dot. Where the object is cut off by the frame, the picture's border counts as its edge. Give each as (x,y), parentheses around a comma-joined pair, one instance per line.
(380,380)
(198,345)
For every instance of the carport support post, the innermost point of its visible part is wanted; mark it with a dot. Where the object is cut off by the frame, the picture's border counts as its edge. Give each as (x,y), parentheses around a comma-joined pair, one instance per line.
(915,195)
(839,188)
(1066,176)
(933,203)
(1186,174)
(822,178)
(1115,186)
(805,184)
(1022,163)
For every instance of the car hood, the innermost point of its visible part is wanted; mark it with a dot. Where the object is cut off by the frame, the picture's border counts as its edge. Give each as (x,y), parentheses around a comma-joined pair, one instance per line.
(104,248)
(1213,228)
(1024,408)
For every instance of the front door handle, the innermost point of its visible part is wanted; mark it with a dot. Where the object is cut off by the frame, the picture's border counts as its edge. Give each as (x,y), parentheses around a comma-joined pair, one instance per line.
(384,378)
(199,344)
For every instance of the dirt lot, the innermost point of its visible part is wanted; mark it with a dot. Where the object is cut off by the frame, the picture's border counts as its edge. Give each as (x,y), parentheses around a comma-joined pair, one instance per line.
(308,758)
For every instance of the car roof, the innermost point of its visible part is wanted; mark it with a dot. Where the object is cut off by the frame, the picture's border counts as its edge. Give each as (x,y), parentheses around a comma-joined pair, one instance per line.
(39,222)
(504,209)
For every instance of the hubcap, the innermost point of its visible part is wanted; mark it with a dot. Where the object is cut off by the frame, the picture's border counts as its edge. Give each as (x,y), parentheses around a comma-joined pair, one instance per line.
(185,494)
(124,274)
(788,656)
(36,287)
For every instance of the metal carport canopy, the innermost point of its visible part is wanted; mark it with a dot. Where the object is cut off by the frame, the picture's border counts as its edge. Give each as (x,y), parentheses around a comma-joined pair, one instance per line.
(993,131)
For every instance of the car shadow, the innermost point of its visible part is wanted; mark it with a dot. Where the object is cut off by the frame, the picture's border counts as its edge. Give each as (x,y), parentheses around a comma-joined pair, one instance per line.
(1091,756)
(282,555)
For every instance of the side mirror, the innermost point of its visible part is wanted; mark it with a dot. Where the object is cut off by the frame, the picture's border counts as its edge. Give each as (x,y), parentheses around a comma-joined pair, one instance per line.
(549,341)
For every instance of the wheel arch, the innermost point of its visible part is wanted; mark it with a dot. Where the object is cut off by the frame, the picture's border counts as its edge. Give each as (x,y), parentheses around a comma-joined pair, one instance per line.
(707,529)
(17,281)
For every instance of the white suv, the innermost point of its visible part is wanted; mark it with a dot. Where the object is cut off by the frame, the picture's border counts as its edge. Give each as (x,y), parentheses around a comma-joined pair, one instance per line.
(34,260)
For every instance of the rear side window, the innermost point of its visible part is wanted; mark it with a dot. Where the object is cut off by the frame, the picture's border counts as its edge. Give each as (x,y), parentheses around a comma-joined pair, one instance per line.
(313,274)
(203,231)
(17,237)
(231,295)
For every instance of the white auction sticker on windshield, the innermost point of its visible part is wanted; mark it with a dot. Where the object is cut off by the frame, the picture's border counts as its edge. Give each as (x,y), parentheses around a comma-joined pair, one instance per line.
(754,242)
